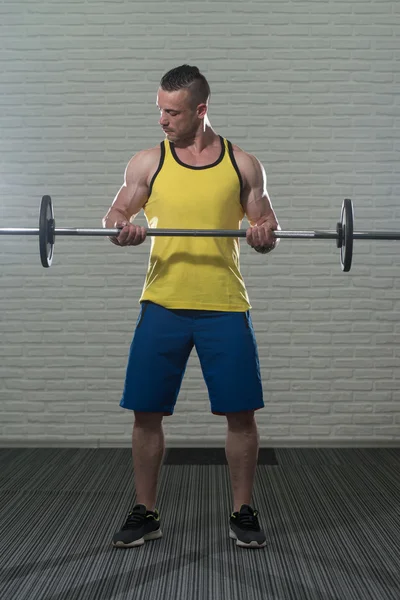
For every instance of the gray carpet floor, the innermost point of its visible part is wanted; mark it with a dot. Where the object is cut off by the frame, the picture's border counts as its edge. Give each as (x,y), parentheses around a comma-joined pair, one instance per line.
(331,516)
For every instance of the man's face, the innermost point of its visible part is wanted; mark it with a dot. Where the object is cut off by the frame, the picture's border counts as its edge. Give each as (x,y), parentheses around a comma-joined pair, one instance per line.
(179,118)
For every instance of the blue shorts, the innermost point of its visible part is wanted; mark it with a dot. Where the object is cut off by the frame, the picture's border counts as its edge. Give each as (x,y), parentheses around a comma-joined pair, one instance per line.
(162,342)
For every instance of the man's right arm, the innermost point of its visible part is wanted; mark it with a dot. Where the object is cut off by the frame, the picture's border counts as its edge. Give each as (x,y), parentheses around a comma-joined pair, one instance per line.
(131,198)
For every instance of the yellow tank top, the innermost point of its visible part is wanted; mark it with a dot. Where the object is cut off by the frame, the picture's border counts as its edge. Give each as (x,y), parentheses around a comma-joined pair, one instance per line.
(195,272)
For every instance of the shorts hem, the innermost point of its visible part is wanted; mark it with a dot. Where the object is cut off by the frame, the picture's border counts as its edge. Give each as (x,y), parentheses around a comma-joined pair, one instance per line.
(223,414)
(146,410)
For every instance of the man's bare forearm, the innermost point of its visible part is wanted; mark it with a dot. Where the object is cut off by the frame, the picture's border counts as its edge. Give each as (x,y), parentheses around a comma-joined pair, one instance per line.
(113,216)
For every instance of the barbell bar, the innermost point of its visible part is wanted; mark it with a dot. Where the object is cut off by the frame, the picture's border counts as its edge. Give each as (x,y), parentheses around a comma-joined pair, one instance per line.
(344,233)
(100,232)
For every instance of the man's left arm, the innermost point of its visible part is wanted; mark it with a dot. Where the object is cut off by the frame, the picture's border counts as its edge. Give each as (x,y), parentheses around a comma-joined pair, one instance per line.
(257,204)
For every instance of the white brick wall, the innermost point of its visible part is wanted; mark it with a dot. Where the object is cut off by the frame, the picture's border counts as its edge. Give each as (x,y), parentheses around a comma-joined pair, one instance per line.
(312,88)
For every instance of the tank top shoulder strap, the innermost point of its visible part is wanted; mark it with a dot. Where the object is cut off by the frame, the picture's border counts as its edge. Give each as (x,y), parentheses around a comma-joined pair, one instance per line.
(232,158)
(160,164)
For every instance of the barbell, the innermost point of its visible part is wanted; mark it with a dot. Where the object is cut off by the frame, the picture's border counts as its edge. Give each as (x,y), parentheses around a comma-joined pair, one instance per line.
(344,233)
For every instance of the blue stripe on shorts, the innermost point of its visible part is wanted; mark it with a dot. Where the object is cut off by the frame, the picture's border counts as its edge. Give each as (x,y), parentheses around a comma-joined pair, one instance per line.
(161,345)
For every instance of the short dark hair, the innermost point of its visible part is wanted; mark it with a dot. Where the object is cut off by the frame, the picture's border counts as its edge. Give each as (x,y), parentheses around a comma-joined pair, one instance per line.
(188,77)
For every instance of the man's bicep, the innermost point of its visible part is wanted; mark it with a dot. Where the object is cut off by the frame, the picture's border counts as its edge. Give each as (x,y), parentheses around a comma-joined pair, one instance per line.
(134,192)
(129,200)
(255,199)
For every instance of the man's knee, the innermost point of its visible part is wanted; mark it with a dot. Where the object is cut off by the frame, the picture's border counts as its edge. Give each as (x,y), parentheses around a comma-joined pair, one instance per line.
(148,420)
(241,420)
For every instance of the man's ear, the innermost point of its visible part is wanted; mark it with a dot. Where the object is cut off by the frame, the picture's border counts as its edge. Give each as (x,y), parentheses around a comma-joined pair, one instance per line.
(201,110)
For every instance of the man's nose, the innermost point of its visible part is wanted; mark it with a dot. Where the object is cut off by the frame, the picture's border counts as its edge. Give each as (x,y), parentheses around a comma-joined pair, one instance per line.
(163,119)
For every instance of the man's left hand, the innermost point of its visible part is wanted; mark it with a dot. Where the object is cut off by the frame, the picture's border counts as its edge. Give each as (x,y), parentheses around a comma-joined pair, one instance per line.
(261,236)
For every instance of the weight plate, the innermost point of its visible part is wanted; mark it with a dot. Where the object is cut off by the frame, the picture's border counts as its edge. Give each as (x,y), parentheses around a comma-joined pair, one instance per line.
(339,231)
(46,231)
(347,223)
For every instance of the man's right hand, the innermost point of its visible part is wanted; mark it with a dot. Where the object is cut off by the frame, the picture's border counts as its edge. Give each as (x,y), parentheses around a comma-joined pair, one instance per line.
(130,235)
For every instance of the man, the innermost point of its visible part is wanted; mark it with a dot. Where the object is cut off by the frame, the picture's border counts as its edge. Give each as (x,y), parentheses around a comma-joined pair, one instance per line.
(193,295)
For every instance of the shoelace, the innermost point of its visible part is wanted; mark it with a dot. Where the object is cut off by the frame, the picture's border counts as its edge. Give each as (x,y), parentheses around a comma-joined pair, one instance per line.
(248,521)
(134,520)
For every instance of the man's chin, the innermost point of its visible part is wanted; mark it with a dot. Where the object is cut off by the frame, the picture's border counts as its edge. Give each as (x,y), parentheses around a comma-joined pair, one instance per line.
(174,137)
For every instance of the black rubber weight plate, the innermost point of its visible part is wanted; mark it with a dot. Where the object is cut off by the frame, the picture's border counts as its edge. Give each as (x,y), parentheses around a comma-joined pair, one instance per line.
(46,231)
(347,221)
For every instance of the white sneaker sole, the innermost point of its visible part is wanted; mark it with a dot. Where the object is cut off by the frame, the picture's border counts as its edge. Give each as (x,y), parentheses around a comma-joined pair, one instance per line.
(252,544)
(154,535)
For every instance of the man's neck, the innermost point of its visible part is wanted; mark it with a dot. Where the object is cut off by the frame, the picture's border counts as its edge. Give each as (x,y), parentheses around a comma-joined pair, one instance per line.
(200,141)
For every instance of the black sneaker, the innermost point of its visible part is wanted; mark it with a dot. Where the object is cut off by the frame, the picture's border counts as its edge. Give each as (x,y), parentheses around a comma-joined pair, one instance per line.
(141,525)
(245,528)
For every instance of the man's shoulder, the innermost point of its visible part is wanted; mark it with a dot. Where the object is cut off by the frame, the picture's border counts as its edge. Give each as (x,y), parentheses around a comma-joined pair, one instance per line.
(148,155)
(236,148)
(245,160)
(144,161)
